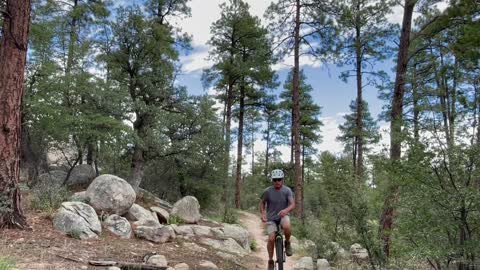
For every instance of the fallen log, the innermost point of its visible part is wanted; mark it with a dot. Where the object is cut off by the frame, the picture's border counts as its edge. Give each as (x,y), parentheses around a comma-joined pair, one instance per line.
(128,265)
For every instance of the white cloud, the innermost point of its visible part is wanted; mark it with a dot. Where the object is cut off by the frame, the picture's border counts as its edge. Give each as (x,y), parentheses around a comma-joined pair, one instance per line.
(204,13)
(330,132)
(397,12)
(196,61)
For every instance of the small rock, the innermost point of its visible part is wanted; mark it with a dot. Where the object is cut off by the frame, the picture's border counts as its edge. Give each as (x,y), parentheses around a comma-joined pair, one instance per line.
(305,263)
(158,260)
(201,231)
(84,267)
(118,225)
(181,266)
(194,247)
(137,213)
(185,230)
(207,265)
(162,214)
(322,264)
(113,268)
(359,253)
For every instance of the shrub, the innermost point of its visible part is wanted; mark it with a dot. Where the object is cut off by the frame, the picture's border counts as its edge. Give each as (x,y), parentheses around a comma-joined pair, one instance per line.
(48,198)
(175,220)
(253,245)
(6,263)
(75,234)
(230,216)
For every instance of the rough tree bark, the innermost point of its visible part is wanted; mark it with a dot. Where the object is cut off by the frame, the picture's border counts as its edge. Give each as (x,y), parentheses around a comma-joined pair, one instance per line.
(386,219)
(13,52)
(238,177)
(359,135)
(296,117)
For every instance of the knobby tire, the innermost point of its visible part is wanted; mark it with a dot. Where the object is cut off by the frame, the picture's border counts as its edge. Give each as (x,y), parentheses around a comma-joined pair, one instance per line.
(279,252)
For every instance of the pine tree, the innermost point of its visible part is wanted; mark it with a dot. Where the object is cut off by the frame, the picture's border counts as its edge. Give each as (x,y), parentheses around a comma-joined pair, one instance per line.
(294,23)
(364,39)
(144,63)
(349,130)
(310,112)
(243,66)
(13,54)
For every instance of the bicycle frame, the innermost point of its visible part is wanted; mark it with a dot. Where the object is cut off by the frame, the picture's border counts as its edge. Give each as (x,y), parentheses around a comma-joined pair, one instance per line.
(279,248)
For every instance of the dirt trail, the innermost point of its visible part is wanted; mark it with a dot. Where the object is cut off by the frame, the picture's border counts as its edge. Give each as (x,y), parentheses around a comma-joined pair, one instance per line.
(256,228)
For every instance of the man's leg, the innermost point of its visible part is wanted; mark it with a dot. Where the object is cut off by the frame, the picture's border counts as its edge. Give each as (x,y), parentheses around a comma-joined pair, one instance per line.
(271,229)
(287,230)
(270,245)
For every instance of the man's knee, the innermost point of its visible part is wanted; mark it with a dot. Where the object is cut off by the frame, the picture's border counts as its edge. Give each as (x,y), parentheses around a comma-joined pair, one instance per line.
(286,224)
(271,237)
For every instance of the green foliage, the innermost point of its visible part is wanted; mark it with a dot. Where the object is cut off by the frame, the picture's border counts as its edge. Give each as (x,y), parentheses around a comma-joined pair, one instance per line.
(75,234)
(230,216)
(6,263)
(365,37)
(175,220)
(438,195)
(48,198)
(349,130)
(190,165)
(253,245)
(316,25)
(310,112)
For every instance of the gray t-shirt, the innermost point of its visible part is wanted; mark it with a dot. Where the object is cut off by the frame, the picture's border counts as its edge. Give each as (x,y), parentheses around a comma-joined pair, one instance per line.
(276,200)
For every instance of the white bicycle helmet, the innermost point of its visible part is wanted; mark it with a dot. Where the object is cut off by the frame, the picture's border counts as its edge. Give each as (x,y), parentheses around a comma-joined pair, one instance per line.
(277,173)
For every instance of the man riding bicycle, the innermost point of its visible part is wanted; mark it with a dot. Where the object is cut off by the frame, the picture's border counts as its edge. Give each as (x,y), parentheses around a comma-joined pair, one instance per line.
(275,205)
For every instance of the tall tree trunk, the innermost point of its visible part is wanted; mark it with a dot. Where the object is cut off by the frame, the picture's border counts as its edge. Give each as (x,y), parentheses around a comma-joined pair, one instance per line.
(230,100)
(90,151)
(443,97)
(227,144)
(453,101)
(477,94)
(292,136)
(386,219)
(359,135)
(416,109)
(253,145)
(73,39)
(267,150)
(296,117)
(13,52)
(238,178)
(303,161)
(140,127)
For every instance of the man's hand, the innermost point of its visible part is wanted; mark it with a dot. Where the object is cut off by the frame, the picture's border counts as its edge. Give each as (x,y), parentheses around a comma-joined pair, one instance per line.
(264,218)
(283,213)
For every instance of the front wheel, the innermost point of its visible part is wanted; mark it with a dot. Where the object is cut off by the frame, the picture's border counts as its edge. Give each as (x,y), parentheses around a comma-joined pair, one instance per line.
(279,252)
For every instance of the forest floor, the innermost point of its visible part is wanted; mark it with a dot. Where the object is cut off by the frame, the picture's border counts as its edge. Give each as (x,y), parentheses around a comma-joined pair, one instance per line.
(259,257)
(44,248)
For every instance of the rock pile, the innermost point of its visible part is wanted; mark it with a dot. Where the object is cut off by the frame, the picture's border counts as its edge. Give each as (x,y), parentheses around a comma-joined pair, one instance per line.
(113,200)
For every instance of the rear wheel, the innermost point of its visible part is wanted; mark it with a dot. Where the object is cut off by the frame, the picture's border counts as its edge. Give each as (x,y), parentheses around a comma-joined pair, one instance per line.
(279,252)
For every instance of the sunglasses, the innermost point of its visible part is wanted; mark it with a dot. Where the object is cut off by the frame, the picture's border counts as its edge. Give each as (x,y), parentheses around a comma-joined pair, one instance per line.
(277,179)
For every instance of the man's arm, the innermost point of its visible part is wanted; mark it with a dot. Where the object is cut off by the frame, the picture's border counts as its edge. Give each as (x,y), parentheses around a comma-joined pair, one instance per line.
(263,216)
(291,206)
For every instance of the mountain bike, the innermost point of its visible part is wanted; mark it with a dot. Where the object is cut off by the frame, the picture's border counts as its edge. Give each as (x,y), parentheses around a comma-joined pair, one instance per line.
(279,248)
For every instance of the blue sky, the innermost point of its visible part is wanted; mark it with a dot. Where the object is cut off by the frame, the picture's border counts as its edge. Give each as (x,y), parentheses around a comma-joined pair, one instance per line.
(331,93)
